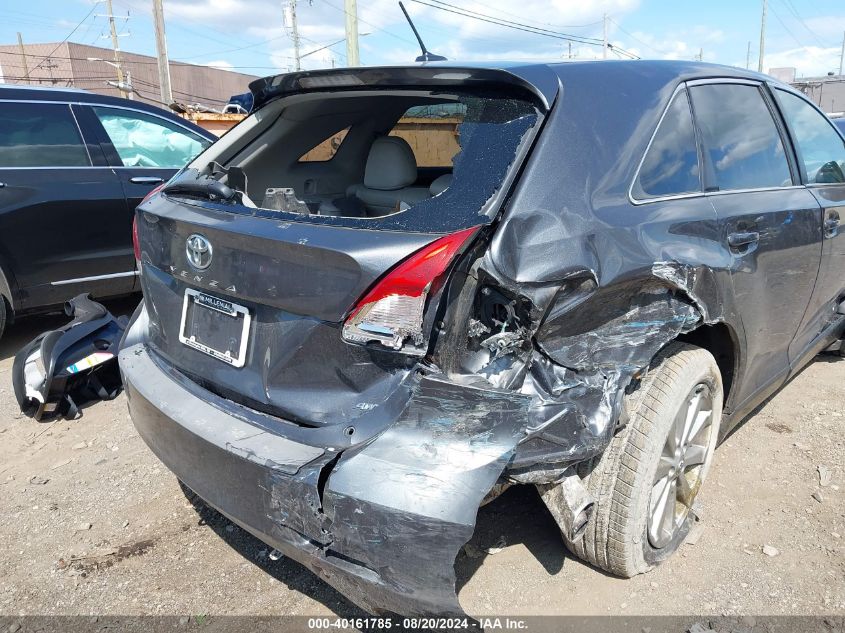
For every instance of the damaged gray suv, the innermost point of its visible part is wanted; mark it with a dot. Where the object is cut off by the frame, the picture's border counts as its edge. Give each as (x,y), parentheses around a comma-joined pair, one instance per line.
(390,293)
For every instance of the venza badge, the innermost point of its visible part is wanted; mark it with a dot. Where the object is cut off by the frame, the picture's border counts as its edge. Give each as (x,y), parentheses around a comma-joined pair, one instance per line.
(198,250)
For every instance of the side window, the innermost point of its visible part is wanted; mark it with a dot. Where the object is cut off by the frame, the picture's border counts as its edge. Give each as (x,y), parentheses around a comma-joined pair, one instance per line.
(671,165)
(326,150)
(40,135)
(740,137)
(143,140)
(821,148)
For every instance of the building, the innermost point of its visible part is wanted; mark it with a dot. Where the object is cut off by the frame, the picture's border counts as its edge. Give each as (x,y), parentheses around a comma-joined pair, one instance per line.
(826,92)
(67,64)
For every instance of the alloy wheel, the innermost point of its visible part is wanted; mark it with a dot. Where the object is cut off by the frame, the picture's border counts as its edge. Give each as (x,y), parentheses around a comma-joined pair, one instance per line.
(681,466)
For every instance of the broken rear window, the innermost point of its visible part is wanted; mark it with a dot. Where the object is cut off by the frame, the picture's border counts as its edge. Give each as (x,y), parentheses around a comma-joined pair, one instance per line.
(416,160)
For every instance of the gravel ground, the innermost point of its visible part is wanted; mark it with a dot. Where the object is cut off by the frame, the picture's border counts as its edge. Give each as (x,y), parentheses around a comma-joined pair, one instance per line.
(92,523)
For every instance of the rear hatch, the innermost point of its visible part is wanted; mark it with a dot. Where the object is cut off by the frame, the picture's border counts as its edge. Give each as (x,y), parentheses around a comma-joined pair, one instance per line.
(315,309)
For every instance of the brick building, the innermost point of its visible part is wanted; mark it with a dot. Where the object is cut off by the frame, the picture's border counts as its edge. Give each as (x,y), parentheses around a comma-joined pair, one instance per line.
(67,65)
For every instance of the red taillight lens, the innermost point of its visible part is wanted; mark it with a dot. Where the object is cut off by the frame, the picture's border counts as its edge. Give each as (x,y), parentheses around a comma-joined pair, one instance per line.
(136,245)
(392,311)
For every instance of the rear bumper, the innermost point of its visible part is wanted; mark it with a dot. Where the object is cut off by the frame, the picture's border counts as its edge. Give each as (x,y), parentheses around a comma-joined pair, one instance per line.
(380,522)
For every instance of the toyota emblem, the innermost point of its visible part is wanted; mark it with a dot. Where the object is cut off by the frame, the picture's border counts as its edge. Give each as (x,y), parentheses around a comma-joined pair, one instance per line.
(198,250)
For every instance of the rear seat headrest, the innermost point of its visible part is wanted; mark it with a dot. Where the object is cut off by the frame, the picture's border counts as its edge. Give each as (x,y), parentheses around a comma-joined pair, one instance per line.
(390,164)
(440,184)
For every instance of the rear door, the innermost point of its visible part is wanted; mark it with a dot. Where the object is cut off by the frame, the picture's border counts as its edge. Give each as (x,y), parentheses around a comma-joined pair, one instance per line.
(145,149)
(58,203)
(821,161)
(771,224)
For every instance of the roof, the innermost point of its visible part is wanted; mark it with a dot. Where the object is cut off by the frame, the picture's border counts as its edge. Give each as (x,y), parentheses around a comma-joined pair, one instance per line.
(24,92)
(4,86)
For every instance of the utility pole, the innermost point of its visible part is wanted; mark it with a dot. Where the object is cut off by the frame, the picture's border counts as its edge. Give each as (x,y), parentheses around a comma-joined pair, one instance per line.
(49,65)
(570,50)
(604,40)
(161,49)
(294,34)
(841,55)
(26,66)
(296,42)
(748,56)
(351,9)
(116,48)
(762,38)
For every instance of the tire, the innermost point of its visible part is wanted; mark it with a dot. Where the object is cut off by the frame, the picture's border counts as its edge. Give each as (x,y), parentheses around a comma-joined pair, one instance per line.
(622,537)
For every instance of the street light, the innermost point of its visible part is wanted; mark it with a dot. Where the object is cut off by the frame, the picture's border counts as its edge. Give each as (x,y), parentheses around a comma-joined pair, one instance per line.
(126,87)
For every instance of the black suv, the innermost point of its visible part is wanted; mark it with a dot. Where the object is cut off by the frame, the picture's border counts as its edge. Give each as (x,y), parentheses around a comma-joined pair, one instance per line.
(73,167)
(575,276)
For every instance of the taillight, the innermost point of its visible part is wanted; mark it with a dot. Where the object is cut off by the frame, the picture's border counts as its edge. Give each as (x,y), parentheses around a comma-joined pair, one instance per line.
(136,245)
(391,312)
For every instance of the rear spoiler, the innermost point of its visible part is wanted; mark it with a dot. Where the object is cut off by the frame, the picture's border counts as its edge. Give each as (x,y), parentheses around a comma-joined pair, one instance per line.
(538,81)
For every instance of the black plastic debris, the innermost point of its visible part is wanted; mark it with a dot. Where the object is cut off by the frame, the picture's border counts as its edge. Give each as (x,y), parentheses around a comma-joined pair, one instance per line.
(60,370)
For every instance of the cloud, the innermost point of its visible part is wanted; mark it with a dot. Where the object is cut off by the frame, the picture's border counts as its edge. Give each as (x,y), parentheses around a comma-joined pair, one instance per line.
(254,22)
(222,64)
(256,27)
(808,61)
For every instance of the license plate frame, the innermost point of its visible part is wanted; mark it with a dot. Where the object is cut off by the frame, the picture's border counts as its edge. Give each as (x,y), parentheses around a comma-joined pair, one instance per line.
(224,307)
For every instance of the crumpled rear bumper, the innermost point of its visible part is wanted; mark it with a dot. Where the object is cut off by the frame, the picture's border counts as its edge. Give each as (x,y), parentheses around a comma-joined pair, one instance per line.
(382,522)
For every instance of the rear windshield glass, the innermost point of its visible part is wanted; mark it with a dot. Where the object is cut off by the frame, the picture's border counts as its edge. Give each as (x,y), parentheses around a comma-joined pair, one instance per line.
(407,161)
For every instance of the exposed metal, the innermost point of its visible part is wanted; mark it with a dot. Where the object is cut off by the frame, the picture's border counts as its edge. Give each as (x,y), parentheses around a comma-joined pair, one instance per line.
(570,504)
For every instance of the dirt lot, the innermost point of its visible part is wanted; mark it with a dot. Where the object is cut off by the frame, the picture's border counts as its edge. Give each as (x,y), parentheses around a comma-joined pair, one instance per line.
(91,523)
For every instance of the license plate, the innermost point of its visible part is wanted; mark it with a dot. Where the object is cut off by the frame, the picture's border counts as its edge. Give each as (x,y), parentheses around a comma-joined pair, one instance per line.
(215,327)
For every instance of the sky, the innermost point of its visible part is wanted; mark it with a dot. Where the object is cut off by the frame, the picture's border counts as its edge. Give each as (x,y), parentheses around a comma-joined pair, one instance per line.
(253,36)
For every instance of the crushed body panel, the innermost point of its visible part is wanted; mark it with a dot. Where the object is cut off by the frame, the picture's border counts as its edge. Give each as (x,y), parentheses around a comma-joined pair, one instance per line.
(384,522)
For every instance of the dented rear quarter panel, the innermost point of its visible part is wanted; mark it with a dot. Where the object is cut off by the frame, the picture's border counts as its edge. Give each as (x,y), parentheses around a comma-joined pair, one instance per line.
(615,281)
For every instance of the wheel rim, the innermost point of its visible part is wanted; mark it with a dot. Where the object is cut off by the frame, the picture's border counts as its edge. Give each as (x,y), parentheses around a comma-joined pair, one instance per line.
(681,467)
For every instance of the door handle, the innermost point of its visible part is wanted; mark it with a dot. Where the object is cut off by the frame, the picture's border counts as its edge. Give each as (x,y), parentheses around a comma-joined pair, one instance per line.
(831,224)
(146,180)
(735,240)
(2,184)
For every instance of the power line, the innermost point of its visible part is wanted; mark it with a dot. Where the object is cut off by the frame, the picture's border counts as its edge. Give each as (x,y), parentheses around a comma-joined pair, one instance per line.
(791,7)
(635,38)
(558,26)
(240,48)
(67,37)
(443,6)
(373,26)
(792,35)
(485,17)
(147,63)
(154,85)
(176,24)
